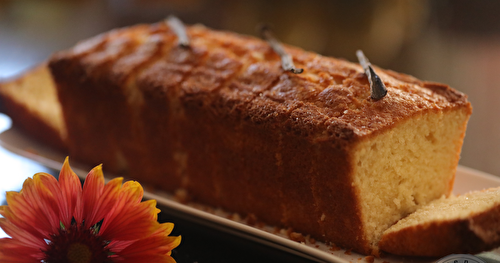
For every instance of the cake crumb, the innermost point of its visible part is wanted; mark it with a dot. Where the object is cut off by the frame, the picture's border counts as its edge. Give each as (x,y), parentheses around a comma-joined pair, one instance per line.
(370,259)
(297,237)
(333,247)
(323,216)
(235,217)
(348,252)
(251,219)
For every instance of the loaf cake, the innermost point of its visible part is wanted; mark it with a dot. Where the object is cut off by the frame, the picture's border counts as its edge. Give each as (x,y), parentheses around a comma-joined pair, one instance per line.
(466,224)
(223,121)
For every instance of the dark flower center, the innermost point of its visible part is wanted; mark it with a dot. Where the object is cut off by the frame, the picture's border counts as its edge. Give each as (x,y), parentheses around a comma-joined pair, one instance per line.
(79,253)
(77,245)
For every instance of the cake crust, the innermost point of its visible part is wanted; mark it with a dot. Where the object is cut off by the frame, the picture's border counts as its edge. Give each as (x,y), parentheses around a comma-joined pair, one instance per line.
(252,69)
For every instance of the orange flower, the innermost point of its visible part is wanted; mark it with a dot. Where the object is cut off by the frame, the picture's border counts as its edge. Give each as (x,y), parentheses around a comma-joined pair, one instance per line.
(58,221)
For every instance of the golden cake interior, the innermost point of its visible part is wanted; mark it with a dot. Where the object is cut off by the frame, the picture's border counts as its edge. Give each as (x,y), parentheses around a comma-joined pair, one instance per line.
(409,165)
(32,103)
(36,91)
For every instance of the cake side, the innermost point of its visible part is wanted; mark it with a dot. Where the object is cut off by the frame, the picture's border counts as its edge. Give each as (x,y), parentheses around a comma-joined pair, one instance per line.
(224,122)
(95,105)
(280,178)
(465,224)
(228,147)
(31,102)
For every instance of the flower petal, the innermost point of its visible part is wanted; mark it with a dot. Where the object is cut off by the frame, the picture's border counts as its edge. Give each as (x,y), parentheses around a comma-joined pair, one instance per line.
(107,201)
(50,199)
(159,243)
(23,236)
(92,191)
(165,228)
(22,212)
(126,206)
(13,249)
(132,222)
(156,244)
(21,224)
(71,189)
(145,259)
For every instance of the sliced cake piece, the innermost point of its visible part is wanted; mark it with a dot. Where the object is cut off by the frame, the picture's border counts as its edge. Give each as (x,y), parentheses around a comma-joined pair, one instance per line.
(31,101)
(465,224)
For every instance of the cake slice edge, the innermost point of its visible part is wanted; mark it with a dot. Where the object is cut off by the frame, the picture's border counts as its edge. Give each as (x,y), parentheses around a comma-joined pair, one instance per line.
(465,224)
(30,100)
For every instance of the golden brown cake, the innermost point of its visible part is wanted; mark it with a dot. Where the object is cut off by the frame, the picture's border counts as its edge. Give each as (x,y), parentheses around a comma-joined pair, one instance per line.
(224,122)
(466,224)
(31,101)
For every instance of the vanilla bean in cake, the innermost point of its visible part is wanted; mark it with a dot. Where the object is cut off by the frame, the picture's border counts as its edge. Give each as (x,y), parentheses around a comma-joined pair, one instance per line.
(179,29)
(286,60)
(377,86)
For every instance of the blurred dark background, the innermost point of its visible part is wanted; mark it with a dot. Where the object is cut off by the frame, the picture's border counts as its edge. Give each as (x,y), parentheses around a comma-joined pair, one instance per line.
(456,42)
